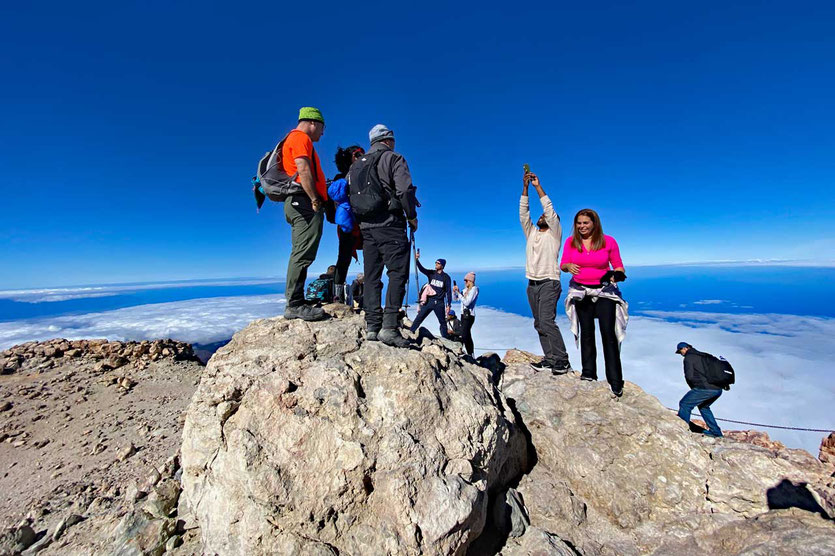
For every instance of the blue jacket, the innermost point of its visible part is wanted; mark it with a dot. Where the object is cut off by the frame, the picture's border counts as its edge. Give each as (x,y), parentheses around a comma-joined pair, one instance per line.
(338,191)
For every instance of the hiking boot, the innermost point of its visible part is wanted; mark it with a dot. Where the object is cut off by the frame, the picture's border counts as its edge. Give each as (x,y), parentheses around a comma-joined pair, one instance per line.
(561,368)
(617,393)
(391,337)
(371,336)
(305,312)
(541,366)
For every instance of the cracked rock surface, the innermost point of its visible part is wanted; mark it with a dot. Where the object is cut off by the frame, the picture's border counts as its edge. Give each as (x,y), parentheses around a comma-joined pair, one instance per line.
(625,476)
(303,438)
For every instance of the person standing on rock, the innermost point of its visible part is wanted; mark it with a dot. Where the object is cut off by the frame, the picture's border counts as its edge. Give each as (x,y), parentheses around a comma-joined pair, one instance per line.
(383,201)
(439,302)
(542,271)
(593,294)
(702,393)
(468,298)
(303,211)
(347,231)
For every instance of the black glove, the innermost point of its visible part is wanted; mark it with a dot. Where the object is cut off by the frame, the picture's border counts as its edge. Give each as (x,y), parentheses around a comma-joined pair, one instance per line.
(612,275)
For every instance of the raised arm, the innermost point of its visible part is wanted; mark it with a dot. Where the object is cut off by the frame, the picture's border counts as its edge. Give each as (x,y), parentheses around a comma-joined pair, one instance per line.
(551,217)
(421,268)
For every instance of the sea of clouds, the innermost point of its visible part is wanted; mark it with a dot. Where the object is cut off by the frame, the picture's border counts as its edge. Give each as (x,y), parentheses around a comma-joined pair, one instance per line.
(47,295)
(784,363)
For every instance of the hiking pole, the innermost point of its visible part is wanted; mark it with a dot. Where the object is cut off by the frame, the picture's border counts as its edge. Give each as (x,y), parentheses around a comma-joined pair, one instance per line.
(414,256)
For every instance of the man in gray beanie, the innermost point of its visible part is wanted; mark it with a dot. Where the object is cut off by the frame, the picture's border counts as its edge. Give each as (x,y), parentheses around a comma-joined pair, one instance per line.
(383,200)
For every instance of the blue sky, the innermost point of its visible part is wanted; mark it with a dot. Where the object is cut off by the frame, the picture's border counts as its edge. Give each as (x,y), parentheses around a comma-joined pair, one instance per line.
(130,130)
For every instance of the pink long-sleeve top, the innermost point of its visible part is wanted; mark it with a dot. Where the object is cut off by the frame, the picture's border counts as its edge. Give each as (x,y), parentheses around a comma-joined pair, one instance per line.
(593,264)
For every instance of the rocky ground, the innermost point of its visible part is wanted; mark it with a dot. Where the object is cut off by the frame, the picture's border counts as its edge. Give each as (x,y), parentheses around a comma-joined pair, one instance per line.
(303,438)
(87,429)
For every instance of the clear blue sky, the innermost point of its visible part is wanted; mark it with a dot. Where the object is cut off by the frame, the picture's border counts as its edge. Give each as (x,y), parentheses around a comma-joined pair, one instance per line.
(129,130)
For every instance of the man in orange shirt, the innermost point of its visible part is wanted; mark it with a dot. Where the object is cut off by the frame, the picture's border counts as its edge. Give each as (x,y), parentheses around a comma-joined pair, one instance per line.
(303,211)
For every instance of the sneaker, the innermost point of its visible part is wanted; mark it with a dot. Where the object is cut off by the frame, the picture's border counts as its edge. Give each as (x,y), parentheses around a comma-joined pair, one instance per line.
(617,393)
(588,378)
(305,312)
(391,337)
(713,434)
(561,368)
(371,336)
(541,366)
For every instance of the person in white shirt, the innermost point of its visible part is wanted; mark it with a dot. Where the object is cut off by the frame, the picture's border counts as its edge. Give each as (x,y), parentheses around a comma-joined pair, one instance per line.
(468,298)
(543,273)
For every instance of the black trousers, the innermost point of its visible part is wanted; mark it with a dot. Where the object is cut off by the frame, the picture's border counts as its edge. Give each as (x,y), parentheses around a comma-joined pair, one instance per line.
(467,332)
(604,311)
(389,247)
(343,258)
(432,306)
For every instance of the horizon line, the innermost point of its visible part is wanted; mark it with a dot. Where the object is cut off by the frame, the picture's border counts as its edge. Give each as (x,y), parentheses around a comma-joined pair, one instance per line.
(800,263)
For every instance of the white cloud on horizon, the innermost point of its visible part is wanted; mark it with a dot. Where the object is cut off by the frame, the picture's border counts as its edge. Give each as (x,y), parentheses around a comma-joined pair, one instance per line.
(46,295)
(783,362)
(200,321)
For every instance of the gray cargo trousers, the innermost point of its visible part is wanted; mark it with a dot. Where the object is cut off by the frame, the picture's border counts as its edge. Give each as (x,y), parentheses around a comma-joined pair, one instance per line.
(543,296)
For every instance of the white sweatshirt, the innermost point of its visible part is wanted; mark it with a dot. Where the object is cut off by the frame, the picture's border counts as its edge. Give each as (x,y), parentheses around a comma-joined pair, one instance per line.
(542,253)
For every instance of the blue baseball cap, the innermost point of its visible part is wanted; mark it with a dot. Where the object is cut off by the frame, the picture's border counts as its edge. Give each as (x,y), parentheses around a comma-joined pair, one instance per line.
(681,346)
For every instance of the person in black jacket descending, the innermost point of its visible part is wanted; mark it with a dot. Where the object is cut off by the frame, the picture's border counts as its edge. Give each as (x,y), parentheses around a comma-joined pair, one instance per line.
(702,393)
(441,302)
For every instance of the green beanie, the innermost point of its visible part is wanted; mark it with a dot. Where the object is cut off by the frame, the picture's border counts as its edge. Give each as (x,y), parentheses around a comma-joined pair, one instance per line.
(310,113)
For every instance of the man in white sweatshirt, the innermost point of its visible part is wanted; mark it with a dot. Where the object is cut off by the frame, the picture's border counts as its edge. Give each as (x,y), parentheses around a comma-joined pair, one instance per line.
(543,273)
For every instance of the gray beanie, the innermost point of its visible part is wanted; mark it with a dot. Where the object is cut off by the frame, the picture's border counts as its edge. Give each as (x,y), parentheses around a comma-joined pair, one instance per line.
(379,132)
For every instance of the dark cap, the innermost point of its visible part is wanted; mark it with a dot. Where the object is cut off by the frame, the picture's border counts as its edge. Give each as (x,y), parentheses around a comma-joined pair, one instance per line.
(681,346)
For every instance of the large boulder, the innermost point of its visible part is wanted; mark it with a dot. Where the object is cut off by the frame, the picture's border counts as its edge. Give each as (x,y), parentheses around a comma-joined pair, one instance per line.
(303,438)
(625,475)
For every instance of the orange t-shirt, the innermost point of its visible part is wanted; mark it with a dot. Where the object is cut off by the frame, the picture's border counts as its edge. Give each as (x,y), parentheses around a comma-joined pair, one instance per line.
(299,145)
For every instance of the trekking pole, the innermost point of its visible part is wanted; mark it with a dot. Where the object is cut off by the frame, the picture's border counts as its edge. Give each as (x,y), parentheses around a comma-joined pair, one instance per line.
(414,256)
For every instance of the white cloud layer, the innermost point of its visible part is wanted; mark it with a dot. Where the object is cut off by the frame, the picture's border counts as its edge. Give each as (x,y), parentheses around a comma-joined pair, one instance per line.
(783,362)
(195,321)
(45,295)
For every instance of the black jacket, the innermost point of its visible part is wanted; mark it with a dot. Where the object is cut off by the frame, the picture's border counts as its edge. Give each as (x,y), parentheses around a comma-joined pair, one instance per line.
(395,177)
(695,367)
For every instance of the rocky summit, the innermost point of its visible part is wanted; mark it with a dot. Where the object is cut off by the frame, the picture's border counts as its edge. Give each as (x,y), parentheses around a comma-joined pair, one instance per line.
(304,438)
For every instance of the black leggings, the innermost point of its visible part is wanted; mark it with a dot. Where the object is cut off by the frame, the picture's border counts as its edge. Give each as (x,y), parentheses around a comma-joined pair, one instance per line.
(604,310)
(343,259)
(466,332)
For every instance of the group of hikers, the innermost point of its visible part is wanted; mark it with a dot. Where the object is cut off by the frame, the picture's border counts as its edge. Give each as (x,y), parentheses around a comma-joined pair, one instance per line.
(373,203)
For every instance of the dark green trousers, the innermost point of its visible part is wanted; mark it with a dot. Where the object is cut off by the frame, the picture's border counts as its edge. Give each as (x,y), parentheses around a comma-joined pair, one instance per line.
(307,231)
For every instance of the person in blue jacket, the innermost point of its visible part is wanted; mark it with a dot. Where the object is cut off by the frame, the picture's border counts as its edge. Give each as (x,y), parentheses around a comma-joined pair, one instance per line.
(347,230)
(441,302)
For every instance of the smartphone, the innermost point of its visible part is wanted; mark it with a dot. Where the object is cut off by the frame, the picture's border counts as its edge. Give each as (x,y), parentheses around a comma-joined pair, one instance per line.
(527,168)
(454,283)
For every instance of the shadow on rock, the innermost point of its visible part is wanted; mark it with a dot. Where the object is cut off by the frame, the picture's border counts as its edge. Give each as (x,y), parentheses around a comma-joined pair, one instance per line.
(793,495)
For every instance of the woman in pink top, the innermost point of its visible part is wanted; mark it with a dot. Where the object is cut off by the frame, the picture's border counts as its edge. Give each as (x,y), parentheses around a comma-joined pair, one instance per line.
(594,261)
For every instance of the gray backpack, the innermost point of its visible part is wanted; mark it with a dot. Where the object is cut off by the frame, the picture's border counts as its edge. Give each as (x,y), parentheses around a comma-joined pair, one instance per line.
(271,181)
